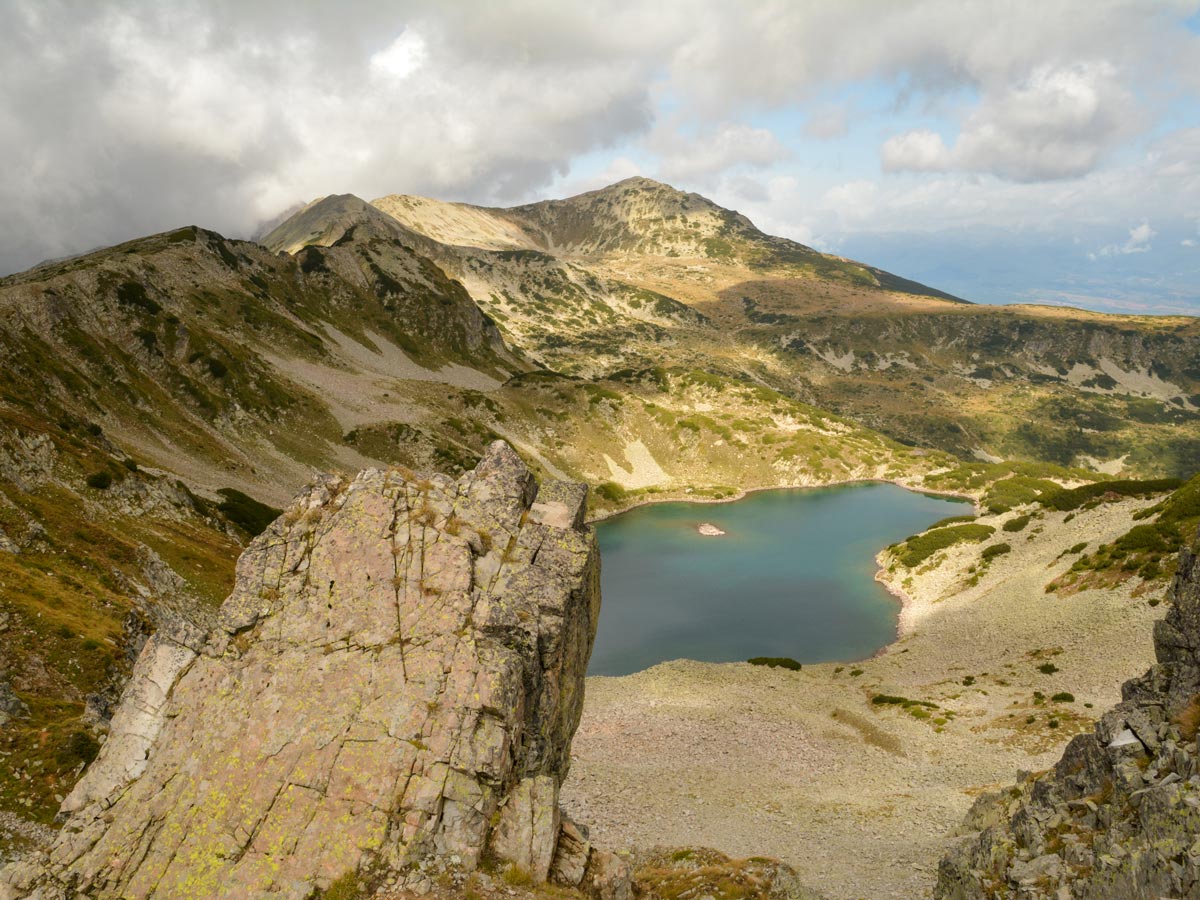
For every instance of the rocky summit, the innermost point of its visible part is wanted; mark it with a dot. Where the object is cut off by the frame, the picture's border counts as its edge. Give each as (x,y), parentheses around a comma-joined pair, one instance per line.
(391,687)
(1118,816)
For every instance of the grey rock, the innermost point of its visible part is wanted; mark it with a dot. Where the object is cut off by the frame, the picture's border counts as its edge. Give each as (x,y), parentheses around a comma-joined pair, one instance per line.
(528,827)
(396,678)
(570,855)
(11,706)
(608,876)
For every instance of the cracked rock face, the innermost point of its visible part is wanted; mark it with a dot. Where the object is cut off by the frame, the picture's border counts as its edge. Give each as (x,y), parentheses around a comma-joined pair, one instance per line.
(396,676)
(1118,818)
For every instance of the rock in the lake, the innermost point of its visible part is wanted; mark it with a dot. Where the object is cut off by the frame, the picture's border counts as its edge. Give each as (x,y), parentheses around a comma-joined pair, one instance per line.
(1118,818)
(396,678)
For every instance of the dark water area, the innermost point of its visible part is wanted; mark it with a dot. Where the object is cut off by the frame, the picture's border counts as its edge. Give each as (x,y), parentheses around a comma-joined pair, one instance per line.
(793,575)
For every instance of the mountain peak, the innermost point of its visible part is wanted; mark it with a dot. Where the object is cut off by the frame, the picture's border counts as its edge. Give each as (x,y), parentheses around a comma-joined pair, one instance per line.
(643,183)
(321,222)
(634,215)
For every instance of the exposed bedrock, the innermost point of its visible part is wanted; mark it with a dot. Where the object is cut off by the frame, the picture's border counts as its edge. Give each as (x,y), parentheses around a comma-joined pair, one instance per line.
(395,679)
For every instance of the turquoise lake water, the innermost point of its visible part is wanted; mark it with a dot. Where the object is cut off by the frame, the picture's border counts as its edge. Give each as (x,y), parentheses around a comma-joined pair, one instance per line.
(794,575)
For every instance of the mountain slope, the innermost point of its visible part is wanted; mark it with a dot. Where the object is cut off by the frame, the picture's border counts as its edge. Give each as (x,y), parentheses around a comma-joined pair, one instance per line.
(638,273)
(634,217)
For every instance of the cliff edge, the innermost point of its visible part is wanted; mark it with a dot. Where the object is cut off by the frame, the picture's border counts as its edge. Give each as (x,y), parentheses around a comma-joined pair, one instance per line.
(393,683)
(1118,818)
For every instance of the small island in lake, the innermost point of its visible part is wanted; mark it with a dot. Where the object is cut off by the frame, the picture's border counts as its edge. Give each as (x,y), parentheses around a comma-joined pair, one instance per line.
(710,530)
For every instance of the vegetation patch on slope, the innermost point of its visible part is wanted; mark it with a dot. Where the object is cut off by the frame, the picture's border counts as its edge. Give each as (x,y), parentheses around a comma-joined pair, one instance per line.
(1148,550)
(915,550)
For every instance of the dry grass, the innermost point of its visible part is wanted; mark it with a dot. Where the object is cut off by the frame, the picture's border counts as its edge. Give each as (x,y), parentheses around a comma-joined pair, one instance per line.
(1188,719)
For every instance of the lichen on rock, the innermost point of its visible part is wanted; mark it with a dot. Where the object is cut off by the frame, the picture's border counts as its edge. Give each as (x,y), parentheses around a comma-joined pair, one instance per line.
(396,677)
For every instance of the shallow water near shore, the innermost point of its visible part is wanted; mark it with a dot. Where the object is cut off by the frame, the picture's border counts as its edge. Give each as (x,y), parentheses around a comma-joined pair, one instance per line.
(793,575)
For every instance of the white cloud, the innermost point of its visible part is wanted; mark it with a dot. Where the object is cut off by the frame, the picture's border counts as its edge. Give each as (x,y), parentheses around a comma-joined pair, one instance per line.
(1139,242)
(1057,123)
(402,57)
(827,123)
(686,157)
(124,117)
(772,52)
(617,170)
(1148,188)
(920,150)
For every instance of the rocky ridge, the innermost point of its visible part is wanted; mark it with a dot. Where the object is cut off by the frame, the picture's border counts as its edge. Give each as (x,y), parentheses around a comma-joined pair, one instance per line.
(1118,817)
(392,687)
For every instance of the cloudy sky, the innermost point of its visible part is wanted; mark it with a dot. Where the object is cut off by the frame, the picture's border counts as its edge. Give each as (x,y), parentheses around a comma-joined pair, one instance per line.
(1015,151)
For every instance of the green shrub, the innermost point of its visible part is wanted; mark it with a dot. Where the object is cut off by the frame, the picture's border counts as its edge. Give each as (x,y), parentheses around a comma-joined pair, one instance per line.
(611,491)
(893,700)
(245,512)
(1006,493)
(80,747)
(1063,697)
(1075,498)
(919,548)
(1149,549)
(775,662)
(133,294)
(1017,524)
(518,876)
(995,550)
(101,480)
(1047,668)
(346,887)
(950,520)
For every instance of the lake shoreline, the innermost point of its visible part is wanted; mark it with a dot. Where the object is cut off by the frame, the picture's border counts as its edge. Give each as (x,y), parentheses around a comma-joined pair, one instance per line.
(743,493)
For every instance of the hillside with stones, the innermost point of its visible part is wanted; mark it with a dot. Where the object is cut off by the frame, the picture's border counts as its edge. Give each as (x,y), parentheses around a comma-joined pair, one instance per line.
(1118,817)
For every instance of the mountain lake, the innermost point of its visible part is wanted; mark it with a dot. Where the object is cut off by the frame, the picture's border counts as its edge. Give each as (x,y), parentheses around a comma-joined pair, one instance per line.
(793,574)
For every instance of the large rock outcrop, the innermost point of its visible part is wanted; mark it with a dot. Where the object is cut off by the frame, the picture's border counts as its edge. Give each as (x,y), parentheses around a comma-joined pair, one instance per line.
(1118,818)
(395,679)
